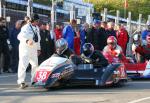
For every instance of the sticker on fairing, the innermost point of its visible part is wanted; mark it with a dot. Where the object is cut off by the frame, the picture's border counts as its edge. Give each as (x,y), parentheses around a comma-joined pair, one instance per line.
(55,75)
(42,75)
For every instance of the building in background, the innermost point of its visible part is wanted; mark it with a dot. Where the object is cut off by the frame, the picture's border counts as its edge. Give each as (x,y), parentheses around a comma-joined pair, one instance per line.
(16,9)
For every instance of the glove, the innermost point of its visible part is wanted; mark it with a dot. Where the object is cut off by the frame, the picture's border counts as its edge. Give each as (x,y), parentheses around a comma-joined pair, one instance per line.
(88,60)
(116,53)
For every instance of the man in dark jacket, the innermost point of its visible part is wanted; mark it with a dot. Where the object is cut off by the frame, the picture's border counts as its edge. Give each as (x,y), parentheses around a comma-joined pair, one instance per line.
(93,34)
(15,46)
(47,43)
(83,35)
(110,29)
(102,38)
(97,36)
(4,36)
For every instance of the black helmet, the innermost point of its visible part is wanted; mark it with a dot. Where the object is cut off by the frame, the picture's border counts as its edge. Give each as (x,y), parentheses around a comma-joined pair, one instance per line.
(61,46)
(88,49)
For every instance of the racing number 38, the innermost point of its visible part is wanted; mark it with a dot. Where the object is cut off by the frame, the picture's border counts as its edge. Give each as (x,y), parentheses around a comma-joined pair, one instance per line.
(42,75)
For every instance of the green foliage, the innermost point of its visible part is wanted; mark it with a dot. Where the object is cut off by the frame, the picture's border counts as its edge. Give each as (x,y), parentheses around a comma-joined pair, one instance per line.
(135,6)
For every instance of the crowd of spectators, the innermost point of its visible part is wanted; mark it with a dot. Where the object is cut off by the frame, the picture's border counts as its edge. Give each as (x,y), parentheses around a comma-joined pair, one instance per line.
(76,36)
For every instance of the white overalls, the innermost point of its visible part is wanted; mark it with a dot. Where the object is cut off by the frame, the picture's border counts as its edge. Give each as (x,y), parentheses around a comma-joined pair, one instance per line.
(27,54)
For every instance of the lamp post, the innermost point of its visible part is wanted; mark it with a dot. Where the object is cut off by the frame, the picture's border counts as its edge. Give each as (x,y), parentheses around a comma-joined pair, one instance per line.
(0,8)
(125,7)
(139,22)
(72,12)
(53,10)
(30,8)
(117,17)
(105,14)
(148,21)
(4,11)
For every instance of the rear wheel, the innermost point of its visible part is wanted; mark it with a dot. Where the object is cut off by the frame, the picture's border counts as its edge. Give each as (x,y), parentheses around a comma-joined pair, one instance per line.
(120,83)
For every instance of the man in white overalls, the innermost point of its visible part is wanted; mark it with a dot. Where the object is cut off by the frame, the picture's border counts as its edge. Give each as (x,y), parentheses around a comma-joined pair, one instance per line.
(29,49)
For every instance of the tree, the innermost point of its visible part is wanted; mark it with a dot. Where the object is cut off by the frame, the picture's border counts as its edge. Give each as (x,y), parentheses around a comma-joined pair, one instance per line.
(135,6)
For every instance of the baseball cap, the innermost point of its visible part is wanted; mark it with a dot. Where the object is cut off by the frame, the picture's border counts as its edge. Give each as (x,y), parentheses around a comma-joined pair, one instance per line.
(35,17)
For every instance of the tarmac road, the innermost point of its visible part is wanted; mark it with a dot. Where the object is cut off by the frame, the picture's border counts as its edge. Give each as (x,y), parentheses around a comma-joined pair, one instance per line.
(132,92)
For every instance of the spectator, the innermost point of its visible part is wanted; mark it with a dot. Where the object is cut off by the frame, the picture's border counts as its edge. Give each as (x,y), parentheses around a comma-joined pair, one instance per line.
(29,49)
(15,46)
(77,43)
(110,29)
(136,42)
(93,34)
(4,49)
(122,38)
(97,36)
(144,50)
(43,43)
(51,39)
(103,36)
(27,19)
(58,32)
(104,25)
(47,43)
(145,32)
(83,35)
(68,34)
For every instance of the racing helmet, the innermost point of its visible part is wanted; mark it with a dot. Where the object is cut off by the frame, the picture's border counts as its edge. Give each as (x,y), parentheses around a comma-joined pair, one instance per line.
(88,49)
(61,46)
(112,42)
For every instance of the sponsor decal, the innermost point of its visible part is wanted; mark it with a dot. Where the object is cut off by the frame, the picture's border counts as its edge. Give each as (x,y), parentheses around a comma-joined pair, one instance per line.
(122,72)
(55,75)
(67,72)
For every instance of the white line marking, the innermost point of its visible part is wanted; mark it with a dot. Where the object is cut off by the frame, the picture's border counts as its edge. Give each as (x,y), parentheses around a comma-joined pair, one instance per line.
(5,76)
(64,92)
(139,100)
